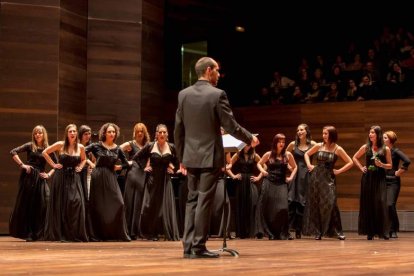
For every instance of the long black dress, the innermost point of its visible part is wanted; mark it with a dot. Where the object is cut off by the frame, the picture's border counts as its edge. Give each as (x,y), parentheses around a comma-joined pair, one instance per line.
(27,220)
(322,217)
(219,217)
(66,212)
(373,211)
(394,185)
(272,208)
(106,204)
(247,195)
(134,191)
(297,191)
(158,213)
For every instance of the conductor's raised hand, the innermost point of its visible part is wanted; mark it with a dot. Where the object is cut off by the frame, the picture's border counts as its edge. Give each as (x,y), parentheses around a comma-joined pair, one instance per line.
(255,141)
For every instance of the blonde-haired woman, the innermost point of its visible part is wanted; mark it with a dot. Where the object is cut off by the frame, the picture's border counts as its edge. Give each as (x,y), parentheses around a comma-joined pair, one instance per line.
(393,179)
(135,179)
(66,214)
(28,217)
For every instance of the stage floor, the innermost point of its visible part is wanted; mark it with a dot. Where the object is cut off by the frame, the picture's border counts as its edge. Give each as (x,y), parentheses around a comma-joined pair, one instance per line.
(353,256)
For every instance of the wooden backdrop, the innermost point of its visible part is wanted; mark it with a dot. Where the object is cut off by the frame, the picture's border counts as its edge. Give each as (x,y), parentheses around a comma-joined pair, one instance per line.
(75,61)
(352,120)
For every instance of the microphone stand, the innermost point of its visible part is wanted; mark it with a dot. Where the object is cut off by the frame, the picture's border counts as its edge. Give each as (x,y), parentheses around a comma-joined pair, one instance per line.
(232,252)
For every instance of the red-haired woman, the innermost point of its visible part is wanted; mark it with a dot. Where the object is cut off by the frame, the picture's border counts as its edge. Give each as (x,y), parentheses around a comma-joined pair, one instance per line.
(272,210)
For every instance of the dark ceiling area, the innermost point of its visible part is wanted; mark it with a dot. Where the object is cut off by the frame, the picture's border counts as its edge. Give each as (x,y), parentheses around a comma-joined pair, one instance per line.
(277,35)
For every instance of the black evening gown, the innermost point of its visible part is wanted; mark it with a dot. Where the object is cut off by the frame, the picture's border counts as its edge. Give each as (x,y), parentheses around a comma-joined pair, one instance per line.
(106,204)
(247,195)
(66,212)
(218,215)
(394,186)
(27,220)
(322,217)
(134,191)
(272,209)
(158,212)
(297,191)
(373,211)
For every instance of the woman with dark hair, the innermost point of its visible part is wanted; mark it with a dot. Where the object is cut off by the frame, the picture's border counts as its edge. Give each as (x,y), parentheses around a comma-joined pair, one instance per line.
(135,179)
(28,217)
(272,210)
(393,180)
(247,191)
(66,213)
(106,204)
(299,186)
(158,214)
(373,212)
(84,136)
(322,215)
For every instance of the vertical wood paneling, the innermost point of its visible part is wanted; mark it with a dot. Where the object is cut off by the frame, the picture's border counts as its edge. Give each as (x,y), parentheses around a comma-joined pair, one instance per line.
(72,66)
(114,63)
(28,84)
(152,77)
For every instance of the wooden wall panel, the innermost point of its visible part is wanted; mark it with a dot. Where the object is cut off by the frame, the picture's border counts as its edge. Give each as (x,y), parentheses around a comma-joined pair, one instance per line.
(43,3)
(352,120)
(72,67)
(152,55)
(114,63)
(28,84)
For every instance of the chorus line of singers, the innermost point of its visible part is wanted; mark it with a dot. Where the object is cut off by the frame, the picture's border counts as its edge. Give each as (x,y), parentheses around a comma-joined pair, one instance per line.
(292,187)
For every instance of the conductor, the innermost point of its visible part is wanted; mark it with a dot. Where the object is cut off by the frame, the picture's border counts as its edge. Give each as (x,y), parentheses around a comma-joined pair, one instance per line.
(202,109)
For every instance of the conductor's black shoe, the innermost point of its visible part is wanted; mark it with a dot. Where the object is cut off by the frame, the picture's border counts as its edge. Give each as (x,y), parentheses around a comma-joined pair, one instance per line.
(187,255)
(341,237)
(318,237)
(203,254)
(369,237)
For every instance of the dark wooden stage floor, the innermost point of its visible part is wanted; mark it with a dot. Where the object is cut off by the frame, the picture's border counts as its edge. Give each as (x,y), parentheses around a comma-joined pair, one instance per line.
(353,256)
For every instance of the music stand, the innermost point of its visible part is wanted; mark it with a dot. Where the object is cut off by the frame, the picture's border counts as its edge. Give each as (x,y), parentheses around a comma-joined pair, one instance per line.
(230,144)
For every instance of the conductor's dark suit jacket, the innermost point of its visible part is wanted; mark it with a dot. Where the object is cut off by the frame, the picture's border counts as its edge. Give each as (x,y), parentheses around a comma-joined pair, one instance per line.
(202,109)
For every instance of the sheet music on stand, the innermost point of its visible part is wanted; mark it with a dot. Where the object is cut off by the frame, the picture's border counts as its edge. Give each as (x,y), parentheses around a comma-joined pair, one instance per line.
(232,144)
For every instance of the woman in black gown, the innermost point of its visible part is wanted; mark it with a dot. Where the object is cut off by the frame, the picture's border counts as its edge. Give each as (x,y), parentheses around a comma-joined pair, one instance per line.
(373,211)
(244,164)
(28,217)
(106,204)
(393,179)
(158,213)
(135,179)
(272,210)
(66,212)
(299,185)
(322,215)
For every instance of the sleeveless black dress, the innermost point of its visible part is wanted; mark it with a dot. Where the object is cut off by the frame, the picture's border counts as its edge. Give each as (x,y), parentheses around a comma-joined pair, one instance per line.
(66,212)
(322,217)
(272,210)
(158,212)
(373,211)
